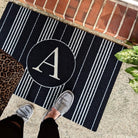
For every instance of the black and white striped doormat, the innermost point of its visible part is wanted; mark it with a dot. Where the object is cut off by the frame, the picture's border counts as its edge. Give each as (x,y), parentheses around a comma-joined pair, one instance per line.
(57,57)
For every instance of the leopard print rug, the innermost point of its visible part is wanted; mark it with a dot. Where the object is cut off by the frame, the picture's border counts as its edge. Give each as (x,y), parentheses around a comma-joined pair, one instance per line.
(10,74)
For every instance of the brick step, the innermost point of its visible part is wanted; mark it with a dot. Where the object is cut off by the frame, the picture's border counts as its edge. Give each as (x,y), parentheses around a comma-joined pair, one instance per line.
(104,16)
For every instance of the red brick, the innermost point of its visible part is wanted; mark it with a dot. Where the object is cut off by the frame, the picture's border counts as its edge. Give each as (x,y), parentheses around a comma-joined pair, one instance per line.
(71,9)
(50,5)
(40,3)
(94,13)
(127,24)
(61,7)
(104,18)
(30,1)
(134,35)
(82,11)
(116,19)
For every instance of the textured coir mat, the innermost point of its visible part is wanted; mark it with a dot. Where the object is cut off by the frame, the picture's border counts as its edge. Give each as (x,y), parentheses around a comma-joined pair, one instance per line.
(57,57)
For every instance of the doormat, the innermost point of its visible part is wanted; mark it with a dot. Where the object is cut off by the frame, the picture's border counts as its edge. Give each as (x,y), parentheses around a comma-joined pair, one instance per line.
(57,57)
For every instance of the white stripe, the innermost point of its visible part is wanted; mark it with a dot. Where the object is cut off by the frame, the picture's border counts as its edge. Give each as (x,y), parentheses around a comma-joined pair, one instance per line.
(45,5)
(54,29)
(111,16)
(104,96)
(122,21)
(37,94)
(28,38)
(6,17)
(20,81)
(99,15)
(49,92)
(66,9)
(12,28)
(26,87)
(92,82)
(47,26)
(59,92)
(18,89)
(55,6)
(83,62)
(75,39)
(77,36)
(78,46)
(47,29)
(53,89)
(98,79)
(72,39)
(80,1)
(79,43)
(19,34)
(87,81)
(53,95)
(14,31)
(25,84)
(72,36)
(132,28)
(90,7)
(63,32)
(43,29)
(25,96)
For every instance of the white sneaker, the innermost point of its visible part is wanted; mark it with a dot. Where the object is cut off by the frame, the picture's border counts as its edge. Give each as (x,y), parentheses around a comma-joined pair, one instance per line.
(64,102)
(25,112)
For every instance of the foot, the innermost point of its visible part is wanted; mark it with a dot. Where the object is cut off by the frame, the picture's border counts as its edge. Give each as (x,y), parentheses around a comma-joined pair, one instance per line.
(53,113)
(25,112)
(61,105)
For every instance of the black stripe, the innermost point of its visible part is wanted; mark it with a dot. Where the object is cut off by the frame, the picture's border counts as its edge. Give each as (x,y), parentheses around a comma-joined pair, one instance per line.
(33,39)
(68,33)
(10,19)
(101,89)
(42,95)
(59,30)
(25,35)
(86,69)
(33,92)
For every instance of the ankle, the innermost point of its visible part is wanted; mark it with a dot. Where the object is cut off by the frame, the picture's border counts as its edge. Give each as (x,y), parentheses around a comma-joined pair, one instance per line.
(53,114)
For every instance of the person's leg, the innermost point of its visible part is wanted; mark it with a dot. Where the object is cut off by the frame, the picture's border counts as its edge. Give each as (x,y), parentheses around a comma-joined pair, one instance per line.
(12,127)
(49,128)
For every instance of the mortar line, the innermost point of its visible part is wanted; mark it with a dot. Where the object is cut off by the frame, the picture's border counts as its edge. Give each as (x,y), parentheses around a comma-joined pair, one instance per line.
(77,10)
(132,28)
(66,9)
(45,5)
(88,12)
(109,21)
(99,14)
(122,21)
(55,7)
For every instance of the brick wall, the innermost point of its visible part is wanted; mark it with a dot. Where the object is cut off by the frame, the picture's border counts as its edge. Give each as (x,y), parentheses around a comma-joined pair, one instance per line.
(107,17)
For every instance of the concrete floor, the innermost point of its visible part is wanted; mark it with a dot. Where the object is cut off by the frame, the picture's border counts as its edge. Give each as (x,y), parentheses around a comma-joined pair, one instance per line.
(120,118)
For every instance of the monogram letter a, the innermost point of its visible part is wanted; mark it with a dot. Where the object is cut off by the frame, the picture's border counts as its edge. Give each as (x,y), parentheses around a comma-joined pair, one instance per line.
(55,66)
